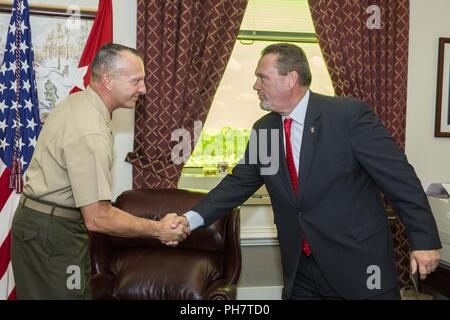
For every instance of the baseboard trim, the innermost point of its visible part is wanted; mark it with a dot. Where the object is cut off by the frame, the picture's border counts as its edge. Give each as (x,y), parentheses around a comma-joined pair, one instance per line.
(259,236)
(259,293)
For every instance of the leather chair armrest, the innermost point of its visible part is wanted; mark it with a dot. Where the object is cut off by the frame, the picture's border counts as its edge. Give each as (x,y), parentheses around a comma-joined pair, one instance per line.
(101,253)
(232,246)
(102,286)
(221,290)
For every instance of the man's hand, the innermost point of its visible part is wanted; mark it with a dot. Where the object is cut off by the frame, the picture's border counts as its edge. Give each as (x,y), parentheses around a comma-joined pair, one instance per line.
(176,223)
(426,261)
(171,231)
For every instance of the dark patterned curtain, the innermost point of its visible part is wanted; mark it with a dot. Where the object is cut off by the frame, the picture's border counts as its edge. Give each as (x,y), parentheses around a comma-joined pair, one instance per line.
(186,46)
(367,58)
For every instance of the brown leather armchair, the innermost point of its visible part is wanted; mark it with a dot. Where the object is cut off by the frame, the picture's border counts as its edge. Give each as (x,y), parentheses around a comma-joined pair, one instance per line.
(206,265)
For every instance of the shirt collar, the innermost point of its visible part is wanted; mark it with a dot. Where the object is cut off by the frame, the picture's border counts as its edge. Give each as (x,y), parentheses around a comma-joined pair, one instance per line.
(298,114)
(98,103)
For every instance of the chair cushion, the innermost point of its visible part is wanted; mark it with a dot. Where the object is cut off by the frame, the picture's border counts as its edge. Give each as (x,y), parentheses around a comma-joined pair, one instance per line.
(161,273)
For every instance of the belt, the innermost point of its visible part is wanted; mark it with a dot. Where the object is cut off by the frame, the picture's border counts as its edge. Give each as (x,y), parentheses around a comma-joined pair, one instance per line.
(50,209)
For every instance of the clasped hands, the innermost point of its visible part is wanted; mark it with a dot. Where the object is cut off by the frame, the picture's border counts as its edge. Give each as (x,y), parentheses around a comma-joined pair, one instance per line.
(174,229)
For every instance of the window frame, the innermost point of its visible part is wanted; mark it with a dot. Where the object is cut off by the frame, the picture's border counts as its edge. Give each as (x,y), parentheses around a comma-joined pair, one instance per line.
(277,36)
(260,35)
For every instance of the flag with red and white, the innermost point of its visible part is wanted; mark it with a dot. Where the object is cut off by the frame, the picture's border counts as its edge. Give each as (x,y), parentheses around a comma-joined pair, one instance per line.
(101,33)
(19,128)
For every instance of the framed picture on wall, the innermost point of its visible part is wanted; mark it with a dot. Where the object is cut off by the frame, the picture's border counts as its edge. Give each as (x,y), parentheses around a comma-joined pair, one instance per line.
(59,35)
(442,122)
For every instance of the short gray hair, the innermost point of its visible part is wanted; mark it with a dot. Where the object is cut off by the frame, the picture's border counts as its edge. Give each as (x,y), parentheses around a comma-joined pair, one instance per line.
(107,58)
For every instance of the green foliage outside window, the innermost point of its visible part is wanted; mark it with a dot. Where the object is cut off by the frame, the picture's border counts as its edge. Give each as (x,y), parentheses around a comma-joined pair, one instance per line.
(226,145)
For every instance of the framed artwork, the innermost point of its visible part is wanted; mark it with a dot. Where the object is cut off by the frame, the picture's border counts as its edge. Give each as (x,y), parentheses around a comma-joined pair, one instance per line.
(59,35)
(442,122)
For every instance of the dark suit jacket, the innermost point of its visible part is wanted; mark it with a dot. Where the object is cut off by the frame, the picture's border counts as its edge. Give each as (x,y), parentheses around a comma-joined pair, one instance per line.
(347,156)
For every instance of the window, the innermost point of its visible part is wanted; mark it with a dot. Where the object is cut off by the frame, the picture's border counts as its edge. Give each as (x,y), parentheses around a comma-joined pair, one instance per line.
(236,106)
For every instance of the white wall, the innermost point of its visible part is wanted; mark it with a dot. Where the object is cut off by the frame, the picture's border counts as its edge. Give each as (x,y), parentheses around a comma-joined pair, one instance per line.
(430,156)
(124,32)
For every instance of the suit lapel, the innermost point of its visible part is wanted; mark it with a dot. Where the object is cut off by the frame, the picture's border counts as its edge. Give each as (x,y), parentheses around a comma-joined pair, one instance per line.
(309,141)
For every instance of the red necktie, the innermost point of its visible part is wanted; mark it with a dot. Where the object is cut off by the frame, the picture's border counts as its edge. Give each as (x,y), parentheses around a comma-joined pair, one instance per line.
(292,171)
(289,156)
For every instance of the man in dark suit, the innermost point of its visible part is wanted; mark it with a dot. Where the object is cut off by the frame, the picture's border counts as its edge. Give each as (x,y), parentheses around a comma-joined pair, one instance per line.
(330,158)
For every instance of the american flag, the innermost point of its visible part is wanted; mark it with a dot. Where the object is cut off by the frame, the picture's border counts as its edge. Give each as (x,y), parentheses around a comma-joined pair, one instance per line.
(19,128)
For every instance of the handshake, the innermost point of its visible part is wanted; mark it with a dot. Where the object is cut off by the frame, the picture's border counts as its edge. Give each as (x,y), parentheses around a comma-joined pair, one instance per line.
(173,229)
